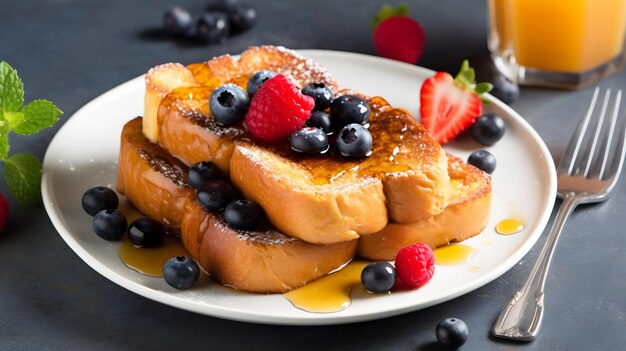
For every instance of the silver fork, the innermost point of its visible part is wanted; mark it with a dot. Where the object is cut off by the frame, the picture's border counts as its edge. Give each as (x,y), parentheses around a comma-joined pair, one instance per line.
(587,173)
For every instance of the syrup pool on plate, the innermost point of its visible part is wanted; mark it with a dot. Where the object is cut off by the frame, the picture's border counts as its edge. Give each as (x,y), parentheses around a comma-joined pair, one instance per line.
(330,293)
(147,261)
(454,254)
(509,226)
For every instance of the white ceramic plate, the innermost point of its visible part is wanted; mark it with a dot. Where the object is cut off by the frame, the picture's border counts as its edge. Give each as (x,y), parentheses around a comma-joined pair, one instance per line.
(84,154)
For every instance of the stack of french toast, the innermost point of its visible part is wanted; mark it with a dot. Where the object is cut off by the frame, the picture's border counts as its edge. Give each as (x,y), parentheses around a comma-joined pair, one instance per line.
(321,211)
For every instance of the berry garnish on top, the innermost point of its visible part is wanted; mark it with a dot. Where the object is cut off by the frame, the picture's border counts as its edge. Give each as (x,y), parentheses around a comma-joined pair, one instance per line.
(397,36)
(348,109)
(309,140)
(243,214)
(278,109)
(215,194)
(449,105)
(354,140)
(415,266)
(321,93)
(202,172)
(228,104)
(257,79)
(320,120)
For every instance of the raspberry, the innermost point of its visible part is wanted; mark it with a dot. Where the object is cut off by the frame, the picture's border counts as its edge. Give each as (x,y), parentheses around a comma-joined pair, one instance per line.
(278,109)
(415,265)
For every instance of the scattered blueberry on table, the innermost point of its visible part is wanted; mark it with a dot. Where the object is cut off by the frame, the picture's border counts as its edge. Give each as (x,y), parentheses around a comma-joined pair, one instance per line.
(216,23)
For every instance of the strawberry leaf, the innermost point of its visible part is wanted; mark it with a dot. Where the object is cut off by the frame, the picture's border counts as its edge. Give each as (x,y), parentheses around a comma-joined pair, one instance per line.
(389,11)
(483,87)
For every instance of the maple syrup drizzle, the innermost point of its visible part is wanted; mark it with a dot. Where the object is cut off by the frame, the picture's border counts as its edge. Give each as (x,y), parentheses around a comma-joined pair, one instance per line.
(146,261)
(509,226)
(331,293)
(454,254)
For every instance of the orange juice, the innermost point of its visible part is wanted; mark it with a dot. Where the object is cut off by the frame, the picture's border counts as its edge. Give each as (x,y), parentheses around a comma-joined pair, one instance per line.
(569,36)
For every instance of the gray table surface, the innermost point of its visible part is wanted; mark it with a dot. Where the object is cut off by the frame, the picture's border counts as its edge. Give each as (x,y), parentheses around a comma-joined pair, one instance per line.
(71,51)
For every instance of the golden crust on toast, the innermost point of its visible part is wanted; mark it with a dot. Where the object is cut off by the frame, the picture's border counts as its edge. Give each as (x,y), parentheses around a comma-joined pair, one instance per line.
(152,180)
(466,215)
(262,261)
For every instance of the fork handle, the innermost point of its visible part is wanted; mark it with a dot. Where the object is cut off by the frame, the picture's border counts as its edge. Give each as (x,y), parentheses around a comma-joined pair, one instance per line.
(521,318)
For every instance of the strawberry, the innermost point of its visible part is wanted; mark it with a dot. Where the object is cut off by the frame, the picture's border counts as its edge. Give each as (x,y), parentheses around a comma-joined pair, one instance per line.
(278,109)
(4,212)
(450,105)
(397,36)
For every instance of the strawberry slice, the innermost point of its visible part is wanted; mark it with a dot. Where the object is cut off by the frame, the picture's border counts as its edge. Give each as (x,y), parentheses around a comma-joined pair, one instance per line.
(449,105)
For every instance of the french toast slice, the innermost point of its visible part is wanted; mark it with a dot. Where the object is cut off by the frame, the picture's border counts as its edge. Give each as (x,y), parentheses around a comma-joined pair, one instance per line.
(466,215)
(331,199)
(152,180)
(262,261)
(192,85)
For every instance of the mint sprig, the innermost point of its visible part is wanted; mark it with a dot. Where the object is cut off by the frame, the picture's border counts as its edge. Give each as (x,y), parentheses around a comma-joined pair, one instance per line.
(22,172)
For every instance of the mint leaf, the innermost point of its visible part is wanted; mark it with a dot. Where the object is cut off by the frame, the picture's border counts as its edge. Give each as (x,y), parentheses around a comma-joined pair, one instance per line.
(11,89)
(13,119)
(37,115)
(22,173)
(4,146)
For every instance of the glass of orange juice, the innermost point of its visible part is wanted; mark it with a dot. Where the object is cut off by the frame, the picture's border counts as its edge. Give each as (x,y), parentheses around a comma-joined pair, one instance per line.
(557,43)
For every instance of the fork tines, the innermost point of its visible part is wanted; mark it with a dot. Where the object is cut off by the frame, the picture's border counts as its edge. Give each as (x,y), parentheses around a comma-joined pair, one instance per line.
(596,149)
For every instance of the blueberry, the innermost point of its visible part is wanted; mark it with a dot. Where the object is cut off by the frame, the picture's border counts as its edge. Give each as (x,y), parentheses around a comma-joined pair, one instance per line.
(349,109)
(320,120)
(504,89)
(98,199)
(109,224)
(146,232)
(222,5)
(202,172)
(212,27)
(488,129)
(378,277)
(321,93)
(242,17)
(452,333)
(257,79)
(228,104)
(177,21)
(181,272)
(354,140)
(309,140)
(484,160)
(215,194)
(243,214)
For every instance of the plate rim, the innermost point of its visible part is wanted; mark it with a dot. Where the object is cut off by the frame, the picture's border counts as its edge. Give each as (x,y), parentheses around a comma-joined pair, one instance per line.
(226,312)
